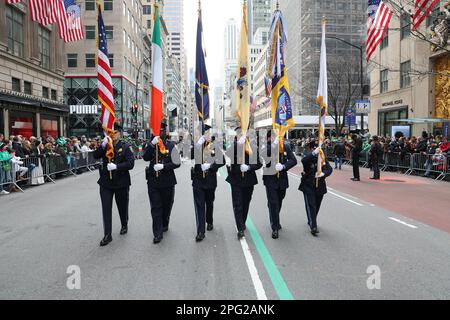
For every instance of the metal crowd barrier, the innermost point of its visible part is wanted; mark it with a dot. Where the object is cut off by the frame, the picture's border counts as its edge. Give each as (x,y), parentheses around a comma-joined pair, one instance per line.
(38,170)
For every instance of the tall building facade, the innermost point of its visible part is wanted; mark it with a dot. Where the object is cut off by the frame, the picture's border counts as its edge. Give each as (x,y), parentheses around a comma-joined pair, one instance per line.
(346,19)
(31,75)
(259,15)
(129,49)
(410,82)
(231,47)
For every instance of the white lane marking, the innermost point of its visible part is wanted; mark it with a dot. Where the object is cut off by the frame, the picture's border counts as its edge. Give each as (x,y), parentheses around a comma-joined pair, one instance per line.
(404,223)
(257,283)
(333,193)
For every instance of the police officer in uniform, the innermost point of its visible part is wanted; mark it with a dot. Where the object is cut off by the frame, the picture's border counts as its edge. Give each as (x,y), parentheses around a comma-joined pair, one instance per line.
(242,178)
(277,182)
(312,191)
(161,181)
(204,183)
(115,182)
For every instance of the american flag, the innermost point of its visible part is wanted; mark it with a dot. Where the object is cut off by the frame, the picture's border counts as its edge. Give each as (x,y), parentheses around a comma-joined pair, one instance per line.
(43,11)
(69,22)
(379,17)
(422,11)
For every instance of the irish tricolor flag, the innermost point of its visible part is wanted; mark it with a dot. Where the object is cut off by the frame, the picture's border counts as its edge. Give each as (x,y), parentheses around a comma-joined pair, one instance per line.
(157,72)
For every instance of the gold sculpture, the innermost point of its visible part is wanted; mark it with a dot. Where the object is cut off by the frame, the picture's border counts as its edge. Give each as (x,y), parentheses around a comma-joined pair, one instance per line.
(442,68)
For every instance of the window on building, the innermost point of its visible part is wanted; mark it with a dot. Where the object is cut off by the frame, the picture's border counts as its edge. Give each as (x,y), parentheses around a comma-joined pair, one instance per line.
(129,16)
(44,46)
(384,82)
(149,24)
(108,5)
(14,26)
(385,41)
(89,5)
(90,32)
(54,95)
(111,60)
(16,85)
(147,10)
(90,60)
(124,37)
(109,30)
(72,60)
(124,7)
(405,26)
(405,78)
(27,87)
(45,92)
(433,16)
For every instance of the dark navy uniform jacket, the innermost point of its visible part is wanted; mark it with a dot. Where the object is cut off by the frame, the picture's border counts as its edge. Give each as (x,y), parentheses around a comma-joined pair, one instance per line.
(124,159)
(308,183)
(288,159)
(235,177)
(208,180)
(166,178)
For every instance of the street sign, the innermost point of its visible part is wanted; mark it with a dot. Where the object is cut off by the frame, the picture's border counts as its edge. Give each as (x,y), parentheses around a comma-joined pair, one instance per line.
(362,107)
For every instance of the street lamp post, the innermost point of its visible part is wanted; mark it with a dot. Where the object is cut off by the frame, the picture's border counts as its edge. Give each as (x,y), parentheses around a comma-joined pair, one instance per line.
(136,106)
(361,56)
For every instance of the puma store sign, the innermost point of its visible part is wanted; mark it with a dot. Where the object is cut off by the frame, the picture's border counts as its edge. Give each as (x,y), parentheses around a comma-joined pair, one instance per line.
(82,109)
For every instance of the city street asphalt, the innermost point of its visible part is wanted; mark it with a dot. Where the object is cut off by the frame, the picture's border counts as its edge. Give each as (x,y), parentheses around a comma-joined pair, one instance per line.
(49,228)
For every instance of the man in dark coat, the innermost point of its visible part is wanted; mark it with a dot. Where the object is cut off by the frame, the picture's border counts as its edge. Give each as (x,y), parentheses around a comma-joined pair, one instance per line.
(276,179)
(161,180)
(208,160)
(376,154)
(313,191)
(357,147)
(242,178)
(115,182)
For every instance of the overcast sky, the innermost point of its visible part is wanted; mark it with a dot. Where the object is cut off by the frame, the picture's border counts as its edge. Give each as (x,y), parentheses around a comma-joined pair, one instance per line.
(215,16)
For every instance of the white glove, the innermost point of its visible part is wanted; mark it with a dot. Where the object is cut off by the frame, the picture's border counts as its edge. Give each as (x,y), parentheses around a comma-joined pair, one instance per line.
(316,152)
(201,141)
(158,167)
(245,168)
(112,167)
(105,142)
(155,141)
(321,175)
(277,141)
(242,140)
(206,167)
(279,167)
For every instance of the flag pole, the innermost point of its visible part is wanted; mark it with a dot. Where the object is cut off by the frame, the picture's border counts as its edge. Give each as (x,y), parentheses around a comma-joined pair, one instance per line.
(201,90)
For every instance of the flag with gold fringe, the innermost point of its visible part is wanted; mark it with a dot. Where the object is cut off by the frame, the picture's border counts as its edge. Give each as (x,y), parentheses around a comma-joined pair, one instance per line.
(322,99)
(282,114)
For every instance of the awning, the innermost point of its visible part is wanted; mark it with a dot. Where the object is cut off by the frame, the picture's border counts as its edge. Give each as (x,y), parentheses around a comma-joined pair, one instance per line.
(421,120)
(33,103)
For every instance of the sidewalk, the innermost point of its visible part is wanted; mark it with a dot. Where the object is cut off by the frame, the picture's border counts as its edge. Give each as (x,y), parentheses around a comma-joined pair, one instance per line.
(421,199)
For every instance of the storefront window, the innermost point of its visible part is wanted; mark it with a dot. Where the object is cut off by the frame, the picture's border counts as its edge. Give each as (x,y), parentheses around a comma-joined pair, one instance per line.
(21,124)
(49,126)
(388,119)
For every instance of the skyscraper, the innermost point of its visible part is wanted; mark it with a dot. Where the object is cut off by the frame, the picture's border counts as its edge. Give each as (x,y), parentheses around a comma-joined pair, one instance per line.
(259,15)
(345,20)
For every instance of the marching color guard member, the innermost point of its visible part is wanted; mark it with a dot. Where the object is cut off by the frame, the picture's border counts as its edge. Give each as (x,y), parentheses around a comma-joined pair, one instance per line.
(277,182)
(313,191)
(161,181)
(115,182)
(242,178)
(204,183)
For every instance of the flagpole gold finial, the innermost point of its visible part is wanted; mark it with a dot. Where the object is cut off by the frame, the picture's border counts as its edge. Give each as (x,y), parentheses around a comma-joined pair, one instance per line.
(324,20)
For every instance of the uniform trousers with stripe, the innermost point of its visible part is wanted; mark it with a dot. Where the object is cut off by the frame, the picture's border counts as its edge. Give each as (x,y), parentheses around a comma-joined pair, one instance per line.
(204,207)
(313,201)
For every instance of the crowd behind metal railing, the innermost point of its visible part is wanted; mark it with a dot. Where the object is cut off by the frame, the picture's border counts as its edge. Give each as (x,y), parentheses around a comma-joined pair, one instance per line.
(427,156)
(33,162)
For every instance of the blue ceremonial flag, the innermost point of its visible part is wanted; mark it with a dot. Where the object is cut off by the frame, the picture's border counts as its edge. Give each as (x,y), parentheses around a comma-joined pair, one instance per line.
(201,77)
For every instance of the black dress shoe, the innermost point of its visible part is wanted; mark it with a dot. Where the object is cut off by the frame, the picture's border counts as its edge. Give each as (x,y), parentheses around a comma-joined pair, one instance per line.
(200,237)
(210,227)
(165,229)
(275,235)
(157,240)
(123,231)
(241,235)
(315,232)
(356,180)
(106,240)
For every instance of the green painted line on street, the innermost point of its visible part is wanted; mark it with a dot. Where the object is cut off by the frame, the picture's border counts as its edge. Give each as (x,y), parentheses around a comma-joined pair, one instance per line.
(275,276)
